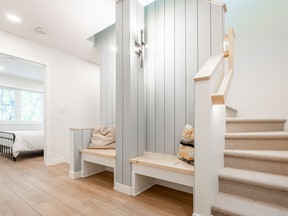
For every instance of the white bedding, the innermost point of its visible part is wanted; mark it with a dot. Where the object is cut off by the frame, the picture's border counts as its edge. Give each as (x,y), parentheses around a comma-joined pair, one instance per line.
(27,141)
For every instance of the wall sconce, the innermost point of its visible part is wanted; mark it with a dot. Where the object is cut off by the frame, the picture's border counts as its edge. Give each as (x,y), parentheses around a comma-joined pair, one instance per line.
(140,47)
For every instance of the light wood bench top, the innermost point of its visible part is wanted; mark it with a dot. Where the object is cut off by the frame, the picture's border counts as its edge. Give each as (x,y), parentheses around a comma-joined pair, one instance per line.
(163,161)
(109,153)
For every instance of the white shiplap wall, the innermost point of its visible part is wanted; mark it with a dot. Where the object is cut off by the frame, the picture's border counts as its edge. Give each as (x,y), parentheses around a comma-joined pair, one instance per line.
(105,43)
(131,112)
(181,35)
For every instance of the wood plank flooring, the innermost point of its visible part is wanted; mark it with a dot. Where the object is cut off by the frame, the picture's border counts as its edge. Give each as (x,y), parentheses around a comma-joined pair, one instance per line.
(29,188)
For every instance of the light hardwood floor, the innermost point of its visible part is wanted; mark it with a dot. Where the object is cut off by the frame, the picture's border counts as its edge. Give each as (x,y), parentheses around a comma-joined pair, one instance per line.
(28,188)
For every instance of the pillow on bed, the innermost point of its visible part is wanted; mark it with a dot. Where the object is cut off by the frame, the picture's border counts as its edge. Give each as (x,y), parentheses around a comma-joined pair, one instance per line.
(103,138)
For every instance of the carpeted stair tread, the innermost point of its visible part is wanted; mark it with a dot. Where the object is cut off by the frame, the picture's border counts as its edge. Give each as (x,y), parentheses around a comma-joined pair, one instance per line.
(258,135)
(270,155)
(266,180)
(230,205)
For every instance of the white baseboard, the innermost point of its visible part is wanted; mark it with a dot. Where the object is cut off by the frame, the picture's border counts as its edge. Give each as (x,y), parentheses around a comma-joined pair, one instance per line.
(55,161)
(75,175)
(175,186)
(122,188)
(195,214)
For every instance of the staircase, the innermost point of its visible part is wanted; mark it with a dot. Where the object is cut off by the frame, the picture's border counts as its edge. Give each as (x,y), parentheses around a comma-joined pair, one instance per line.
(254,181)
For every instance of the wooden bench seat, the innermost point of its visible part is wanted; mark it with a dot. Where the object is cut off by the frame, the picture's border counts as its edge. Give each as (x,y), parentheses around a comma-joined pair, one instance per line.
(94,161)
(146,169)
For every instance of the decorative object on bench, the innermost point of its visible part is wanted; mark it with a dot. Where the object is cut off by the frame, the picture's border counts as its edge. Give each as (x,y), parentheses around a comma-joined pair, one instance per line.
(103,138)
(87,161)
(186,147)
(13,143)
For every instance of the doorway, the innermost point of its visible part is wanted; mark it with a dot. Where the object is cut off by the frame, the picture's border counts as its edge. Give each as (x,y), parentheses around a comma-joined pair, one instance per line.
(25,101)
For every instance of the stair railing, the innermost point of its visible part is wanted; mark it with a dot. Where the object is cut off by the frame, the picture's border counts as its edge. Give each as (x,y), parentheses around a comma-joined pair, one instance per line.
(212,84)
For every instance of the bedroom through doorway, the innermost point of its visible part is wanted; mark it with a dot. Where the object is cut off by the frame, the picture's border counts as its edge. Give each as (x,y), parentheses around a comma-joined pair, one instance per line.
(22,109)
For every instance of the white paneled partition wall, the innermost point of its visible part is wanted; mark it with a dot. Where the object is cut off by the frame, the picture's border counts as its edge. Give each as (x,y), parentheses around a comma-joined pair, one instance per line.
(105,42)
(130,84)
(181,35)
(154,104)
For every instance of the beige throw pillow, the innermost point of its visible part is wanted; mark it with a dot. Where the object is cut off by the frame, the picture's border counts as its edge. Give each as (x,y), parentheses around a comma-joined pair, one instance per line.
(103,138)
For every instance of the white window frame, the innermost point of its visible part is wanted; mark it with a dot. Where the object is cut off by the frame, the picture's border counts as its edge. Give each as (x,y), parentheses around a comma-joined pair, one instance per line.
(17,97)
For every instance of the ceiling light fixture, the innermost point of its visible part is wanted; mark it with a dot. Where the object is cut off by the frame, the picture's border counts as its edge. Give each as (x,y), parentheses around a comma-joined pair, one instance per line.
(1,68)
(41,30)
(13,18)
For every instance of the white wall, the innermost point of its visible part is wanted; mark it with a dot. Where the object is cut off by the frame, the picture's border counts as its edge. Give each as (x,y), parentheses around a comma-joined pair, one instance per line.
(14,82)
(259,88)
(74,85)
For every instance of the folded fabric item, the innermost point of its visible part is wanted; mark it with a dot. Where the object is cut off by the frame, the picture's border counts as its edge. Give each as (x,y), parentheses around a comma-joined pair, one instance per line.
(186,152)
(103,138)
(187,135)
(187,144)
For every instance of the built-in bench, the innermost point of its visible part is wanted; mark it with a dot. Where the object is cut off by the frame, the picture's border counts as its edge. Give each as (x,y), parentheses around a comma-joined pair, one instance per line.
(94,161)
(84,161)
(153,168)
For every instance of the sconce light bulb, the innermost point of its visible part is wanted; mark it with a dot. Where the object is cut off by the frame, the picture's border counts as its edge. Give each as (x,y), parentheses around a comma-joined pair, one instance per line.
(114,48)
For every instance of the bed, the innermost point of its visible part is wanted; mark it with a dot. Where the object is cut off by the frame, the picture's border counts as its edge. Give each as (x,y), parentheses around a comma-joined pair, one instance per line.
(12,143)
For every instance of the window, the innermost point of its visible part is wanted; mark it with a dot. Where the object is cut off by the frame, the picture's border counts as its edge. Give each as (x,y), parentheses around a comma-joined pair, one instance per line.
(7,104)
(20,105)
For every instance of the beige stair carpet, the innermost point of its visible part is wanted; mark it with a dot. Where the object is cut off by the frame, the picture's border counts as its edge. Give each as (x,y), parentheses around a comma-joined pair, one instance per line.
(254,181)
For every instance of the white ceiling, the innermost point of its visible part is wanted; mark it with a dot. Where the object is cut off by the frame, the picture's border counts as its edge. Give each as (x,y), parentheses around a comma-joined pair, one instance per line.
(20,68)
(69,22)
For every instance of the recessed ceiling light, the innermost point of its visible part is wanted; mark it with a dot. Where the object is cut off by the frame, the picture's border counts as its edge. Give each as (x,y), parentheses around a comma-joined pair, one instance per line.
(1,68)
(41,30)
(13,18)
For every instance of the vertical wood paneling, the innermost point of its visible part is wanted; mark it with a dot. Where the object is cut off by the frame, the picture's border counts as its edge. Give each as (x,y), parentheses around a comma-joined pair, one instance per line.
(173,30)
(151,73)
(86,137)
(180,71)
(113,80)
(141,93)
(110,62)
(104,78)
(217,31)
(126,97)
(191,57)
(160,75)
(77,145)
(105,42)
(119,92)
(204,33)
(169,77)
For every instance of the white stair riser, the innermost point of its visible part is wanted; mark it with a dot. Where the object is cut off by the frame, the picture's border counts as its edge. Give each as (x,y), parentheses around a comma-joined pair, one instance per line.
(259,165)
(256,144)
(239,127)
(254,192)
